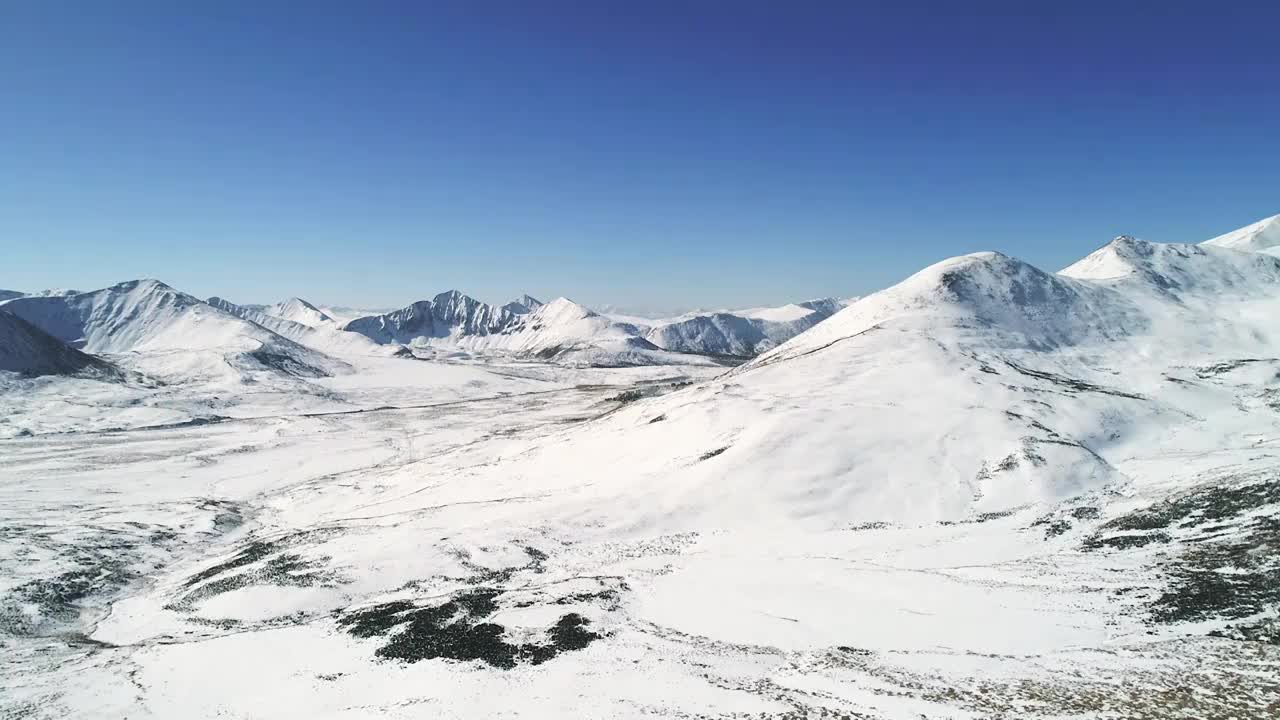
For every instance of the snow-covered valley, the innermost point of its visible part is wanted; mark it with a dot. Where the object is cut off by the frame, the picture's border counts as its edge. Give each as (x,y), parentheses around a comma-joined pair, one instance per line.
(987,491)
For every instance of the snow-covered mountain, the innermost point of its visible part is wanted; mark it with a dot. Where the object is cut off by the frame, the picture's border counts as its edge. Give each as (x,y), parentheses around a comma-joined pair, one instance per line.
(976,385)
(149,317)
(9,295)
(29,351)
(449,315)
(325,335)
(562,328)
(1262,236)
(988,491)
(300,311)
(743,333)
(523,305)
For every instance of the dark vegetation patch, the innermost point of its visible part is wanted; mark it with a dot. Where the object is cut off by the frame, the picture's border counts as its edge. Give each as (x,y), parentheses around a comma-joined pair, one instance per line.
(658,419)
(608,596)
(271,565)
(1085,512)
(862,652)
(1071,384)
(873,525)
(1009,463)
(286,364)
(283,570)
(254,552)
(481,575)
(1196,679)
(1271,398)
(1198,507)
(100,561)
(58,599)
(981,517)
(1053,526)
(1234,579)
(1227,566)
(652,389)
(1126,541)
(460,629)
(712,453)
(1210,371)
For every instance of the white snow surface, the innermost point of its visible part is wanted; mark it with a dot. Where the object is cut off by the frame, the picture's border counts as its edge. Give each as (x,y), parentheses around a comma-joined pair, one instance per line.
(1262,236)
(986,492)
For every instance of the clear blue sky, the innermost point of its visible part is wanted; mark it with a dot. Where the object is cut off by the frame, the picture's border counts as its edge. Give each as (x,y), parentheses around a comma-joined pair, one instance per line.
(654,155)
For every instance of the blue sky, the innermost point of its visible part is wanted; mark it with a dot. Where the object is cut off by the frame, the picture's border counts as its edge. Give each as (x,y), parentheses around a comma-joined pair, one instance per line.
(650,155)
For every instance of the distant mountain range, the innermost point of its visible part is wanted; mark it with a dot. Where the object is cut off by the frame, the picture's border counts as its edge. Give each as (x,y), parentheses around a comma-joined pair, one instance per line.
(172,332)
(299,338)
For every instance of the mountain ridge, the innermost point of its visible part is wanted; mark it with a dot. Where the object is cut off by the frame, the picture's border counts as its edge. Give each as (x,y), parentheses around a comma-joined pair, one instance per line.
(31,352)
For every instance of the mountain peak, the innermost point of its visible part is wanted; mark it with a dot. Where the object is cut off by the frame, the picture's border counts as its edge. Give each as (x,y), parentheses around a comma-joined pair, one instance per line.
(143,285)
(563,306)
(523,305)
(295,309)
(299,302)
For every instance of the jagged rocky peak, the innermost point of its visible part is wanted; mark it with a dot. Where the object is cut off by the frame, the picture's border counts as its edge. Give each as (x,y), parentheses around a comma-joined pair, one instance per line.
(449,314)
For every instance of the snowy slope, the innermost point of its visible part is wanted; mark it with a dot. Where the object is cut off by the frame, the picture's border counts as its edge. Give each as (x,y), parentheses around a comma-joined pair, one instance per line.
(149,318)
(27,350)
(9,295)
(1262,236)
(299,311)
